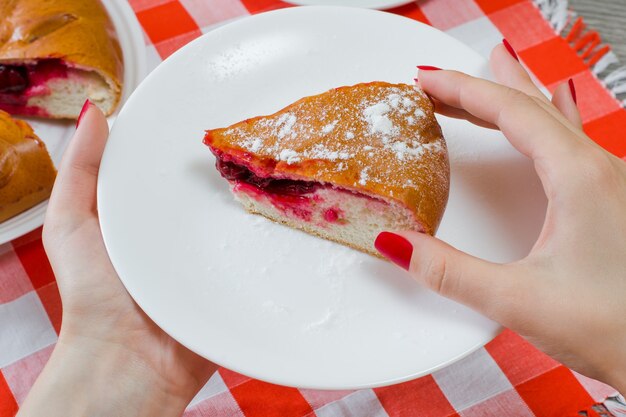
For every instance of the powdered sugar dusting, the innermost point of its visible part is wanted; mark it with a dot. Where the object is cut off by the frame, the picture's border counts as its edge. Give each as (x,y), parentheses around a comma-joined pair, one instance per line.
(434,146)
(394,100)
(290,156)
(364,176)
(285,124)
(376,117)
(329,127)
(380,132)
(256,145)
(319,151)
(402,150)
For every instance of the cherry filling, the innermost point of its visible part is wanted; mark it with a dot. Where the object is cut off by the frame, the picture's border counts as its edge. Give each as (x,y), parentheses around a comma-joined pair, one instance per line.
(16,79)
(18,83)
(235,172)
(13,79)
(291,197)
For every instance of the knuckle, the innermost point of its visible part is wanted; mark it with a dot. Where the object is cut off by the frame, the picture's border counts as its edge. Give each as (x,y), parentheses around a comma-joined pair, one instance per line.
(84,168)
(515,297)
(598,167)
(508,304)
(513,101)
(436,275)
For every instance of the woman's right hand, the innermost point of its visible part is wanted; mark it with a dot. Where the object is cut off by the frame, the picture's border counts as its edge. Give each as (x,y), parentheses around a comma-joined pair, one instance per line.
(571,288)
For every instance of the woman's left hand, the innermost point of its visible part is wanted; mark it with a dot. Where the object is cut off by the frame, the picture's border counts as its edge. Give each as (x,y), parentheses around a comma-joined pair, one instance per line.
(111,359)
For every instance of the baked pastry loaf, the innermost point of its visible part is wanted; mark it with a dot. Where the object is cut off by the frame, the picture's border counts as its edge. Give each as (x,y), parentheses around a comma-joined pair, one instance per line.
(54,54)
(343,165)
(26,171)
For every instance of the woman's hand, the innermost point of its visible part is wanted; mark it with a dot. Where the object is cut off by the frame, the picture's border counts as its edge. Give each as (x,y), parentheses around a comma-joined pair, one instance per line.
(108,348)
(568,296)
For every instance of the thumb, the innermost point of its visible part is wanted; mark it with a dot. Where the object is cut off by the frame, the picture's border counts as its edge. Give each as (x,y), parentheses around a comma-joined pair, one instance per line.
(481,285)
(74,192)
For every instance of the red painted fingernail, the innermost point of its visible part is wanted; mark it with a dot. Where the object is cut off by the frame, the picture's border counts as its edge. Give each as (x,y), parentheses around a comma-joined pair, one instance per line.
(395,248)
(572,89)
(509,48)
(428,68)
(416,80)
(83,111)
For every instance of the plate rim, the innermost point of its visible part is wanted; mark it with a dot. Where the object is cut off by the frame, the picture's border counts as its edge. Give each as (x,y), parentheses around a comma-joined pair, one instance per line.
(172,331)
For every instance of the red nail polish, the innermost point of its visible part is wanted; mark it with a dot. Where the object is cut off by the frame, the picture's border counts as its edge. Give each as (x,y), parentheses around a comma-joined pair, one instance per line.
(572,89)
(509,48)
(428,68)
(83,111)
(395,248)
(416,80)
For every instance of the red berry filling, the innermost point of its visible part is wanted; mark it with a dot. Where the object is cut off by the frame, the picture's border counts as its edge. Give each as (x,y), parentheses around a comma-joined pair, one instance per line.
(13,79)
(331,215)
(235,172)
(293,197)
(20,82)
(297,198)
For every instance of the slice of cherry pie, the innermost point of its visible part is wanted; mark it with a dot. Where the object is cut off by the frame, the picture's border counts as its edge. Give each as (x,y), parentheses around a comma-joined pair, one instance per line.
(343,165)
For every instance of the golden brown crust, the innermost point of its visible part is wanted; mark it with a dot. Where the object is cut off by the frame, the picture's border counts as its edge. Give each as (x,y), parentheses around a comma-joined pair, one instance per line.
(26,170)
(377,138)
(79,32)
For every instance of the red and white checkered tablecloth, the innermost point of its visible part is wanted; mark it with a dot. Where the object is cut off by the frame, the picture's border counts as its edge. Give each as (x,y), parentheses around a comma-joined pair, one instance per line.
(508,377)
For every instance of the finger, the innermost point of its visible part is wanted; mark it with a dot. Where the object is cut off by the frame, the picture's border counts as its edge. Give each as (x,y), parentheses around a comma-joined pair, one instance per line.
(563,99)
(455,113)
(523,119)
(481,285)
(509,72)
(74,192)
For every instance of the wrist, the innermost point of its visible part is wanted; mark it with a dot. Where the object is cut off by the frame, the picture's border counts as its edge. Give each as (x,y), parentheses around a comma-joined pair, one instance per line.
(87,377)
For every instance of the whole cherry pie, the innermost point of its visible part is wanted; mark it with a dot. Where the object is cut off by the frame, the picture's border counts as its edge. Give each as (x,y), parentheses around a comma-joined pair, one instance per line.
(56,54)
(26,171)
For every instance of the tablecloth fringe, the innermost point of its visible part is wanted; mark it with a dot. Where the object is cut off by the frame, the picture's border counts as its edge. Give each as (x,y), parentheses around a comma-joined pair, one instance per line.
(588,44)
(616,406)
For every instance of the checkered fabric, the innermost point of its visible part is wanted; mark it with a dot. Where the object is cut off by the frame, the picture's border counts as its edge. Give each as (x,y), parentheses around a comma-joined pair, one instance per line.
(508,377)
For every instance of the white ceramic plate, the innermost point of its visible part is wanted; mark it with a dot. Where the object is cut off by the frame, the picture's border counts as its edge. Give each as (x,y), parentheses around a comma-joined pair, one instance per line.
(366,4)
(266,300)
(56,134)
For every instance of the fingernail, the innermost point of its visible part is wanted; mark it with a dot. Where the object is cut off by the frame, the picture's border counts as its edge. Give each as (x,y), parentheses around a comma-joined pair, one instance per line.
(416,80)
(83,111)
(509,48)
(428,68)
(572,89)
(395,248)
